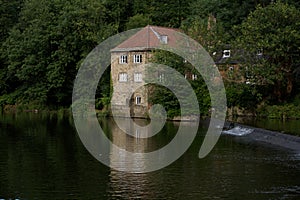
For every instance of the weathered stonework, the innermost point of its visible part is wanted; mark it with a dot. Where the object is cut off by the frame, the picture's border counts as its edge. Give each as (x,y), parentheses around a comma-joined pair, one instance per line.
(130,96)
(125,93)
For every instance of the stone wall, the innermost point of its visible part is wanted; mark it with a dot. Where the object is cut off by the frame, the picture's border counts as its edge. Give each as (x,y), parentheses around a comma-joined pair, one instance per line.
(125,92)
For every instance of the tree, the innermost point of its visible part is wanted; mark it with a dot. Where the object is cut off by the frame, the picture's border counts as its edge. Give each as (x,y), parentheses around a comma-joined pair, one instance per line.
(207,31)
(45,49)
(274,32)
(9,10)
(118,12)
(228,12)
(162,95)
(138,21)
(169,13)
(9,17)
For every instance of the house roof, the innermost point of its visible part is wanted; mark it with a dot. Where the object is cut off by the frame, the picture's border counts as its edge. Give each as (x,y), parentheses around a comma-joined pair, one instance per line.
(148,38)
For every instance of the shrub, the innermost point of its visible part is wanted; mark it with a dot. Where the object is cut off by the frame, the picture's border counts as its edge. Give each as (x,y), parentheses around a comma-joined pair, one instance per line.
(288,111)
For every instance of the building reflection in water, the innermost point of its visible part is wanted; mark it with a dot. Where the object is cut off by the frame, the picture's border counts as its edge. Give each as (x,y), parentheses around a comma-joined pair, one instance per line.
(129,185)
(130,152)
(131,143)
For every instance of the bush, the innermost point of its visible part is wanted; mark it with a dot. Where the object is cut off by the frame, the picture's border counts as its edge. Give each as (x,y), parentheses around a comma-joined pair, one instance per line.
(173,113)
(288,111)
(296,100)
(102,103)
(243,95)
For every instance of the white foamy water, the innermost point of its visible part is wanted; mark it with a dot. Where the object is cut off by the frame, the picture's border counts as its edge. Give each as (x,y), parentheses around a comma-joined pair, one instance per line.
(238,131)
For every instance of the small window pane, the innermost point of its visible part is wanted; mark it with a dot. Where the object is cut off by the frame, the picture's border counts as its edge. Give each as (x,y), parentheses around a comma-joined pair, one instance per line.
(194,77)
(226,53)
(138,100)
(164,39)
(161,77)
(123,59)
(137,58)
(138,77)
(123,77)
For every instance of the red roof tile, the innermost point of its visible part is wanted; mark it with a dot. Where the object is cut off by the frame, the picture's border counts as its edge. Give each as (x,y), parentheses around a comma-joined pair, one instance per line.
(150,37)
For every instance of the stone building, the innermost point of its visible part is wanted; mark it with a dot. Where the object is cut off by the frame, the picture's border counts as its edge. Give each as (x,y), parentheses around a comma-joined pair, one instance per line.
(128,66)
(128,62)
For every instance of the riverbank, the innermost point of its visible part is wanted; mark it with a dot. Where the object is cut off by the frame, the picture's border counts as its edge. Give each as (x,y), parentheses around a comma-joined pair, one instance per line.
(35,110)
(281,133)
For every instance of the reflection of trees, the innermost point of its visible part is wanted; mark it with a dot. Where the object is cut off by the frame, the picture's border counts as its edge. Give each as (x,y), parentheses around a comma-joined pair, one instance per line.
(39,156)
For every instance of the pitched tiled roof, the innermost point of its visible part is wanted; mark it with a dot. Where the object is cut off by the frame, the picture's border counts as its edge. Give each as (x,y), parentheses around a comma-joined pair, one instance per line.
(148,38)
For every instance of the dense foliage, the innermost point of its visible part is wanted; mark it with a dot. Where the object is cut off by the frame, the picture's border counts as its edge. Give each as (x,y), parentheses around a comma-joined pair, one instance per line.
(44,48)
(275,32)
(44,42)
(162,95)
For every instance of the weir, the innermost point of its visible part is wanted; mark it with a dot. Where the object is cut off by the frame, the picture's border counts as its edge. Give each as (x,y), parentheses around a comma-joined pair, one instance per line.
(252,134)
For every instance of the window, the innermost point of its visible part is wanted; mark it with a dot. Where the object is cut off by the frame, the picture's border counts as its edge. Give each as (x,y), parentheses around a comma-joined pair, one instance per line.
(161,77)
(138,100)
(194,77)
(226,53)
(123,77)
(138,77)
(137,58)
(123,59)
(164,39)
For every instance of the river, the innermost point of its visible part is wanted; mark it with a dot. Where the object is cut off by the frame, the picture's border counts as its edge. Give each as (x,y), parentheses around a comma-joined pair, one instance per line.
(42,157)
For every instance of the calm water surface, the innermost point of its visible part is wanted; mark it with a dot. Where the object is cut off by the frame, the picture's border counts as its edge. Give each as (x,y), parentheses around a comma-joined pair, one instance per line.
(41,157)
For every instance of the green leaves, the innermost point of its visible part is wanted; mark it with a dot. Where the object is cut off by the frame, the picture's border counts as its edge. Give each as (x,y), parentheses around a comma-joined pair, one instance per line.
(209,33)
(164,96)
(275,30)
(138,21)
(44,49)
(9,10)
(44,42)
(227,12)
